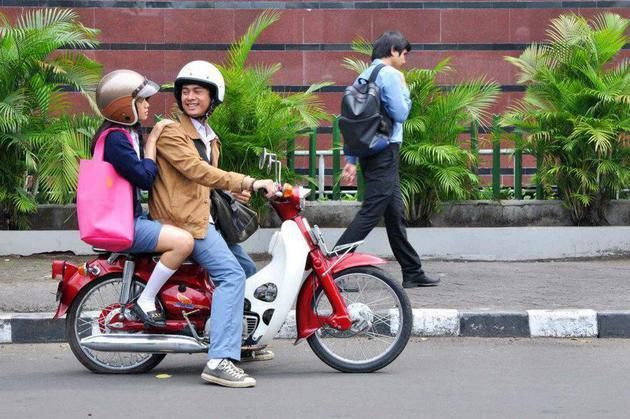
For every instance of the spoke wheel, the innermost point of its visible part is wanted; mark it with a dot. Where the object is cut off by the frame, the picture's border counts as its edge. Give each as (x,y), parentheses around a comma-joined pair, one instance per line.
(95,311)
(381,322)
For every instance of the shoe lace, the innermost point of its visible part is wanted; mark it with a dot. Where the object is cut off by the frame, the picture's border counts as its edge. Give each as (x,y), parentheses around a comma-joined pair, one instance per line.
(231,369)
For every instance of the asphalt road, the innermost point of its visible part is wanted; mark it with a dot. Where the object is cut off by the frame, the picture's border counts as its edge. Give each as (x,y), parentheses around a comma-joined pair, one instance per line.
(433,378)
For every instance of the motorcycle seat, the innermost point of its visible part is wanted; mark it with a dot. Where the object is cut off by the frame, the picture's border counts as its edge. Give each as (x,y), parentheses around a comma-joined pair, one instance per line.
(128,255)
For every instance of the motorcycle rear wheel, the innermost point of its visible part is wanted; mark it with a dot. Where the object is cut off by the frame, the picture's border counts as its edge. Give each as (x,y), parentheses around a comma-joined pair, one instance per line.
(89,314)
(382,320)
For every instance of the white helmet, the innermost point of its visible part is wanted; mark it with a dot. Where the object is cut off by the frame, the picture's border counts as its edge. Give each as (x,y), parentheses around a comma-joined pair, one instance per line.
(117,92)
(204,74)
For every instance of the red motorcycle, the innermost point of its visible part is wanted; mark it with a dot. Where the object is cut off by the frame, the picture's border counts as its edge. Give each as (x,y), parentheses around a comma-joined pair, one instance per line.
(354,316)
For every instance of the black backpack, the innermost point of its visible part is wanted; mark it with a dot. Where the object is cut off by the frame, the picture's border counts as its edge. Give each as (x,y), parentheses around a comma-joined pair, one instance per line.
(363,116)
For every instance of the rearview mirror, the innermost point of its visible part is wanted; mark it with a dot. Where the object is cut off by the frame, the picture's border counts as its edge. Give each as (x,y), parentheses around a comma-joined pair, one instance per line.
(263,158)
(270,160)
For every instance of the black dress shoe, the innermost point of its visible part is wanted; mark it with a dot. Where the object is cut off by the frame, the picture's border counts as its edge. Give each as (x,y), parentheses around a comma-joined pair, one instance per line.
(420,281)
(151,318)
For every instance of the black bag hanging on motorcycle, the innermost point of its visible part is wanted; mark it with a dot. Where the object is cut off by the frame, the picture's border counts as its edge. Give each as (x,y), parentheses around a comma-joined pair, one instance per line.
(363,117)
(234,220)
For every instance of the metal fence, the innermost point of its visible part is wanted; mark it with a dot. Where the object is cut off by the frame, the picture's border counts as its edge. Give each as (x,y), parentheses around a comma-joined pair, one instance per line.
(317,162)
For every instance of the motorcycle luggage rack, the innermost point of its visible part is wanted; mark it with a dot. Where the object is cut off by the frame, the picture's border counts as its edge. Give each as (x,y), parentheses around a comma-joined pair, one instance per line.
(345,248)
(340,251)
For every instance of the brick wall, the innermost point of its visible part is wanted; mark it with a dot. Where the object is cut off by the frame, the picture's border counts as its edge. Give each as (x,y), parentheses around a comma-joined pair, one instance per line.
(157,37)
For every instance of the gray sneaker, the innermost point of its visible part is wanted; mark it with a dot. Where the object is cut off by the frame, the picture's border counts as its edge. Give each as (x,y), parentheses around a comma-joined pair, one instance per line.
(228,375)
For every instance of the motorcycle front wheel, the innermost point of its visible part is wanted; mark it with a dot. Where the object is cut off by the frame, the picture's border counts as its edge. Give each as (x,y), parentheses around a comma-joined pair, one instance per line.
(92,311)
(381,317)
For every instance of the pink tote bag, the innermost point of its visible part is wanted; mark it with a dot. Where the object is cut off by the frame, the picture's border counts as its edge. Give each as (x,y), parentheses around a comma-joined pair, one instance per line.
(104,201)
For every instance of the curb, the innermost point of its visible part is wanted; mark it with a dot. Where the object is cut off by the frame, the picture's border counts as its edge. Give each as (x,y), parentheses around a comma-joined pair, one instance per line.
(565,323)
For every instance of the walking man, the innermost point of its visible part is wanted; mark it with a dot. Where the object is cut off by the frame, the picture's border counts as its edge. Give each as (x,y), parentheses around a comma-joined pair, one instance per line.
(382,181)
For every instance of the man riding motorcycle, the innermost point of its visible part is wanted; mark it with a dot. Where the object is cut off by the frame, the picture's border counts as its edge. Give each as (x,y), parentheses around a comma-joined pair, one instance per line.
(187,156)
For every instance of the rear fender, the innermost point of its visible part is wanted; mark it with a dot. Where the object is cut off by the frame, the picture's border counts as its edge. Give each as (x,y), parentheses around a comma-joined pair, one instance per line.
(306,319)
(74,279)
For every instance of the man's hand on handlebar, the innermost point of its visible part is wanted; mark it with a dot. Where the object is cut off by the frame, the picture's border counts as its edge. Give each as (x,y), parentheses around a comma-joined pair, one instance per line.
(268,185)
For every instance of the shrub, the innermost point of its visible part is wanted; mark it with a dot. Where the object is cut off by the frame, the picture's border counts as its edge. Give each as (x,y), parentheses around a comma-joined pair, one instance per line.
(576,111)
(33,138)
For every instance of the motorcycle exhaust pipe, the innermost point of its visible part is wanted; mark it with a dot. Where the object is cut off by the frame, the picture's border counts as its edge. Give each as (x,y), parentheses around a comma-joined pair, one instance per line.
(143,343)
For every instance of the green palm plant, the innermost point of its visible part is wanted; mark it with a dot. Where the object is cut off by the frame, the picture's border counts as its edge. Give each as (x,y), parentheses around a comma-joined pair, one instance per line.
(575,112)
(434,167)
(253,116)
(33,73)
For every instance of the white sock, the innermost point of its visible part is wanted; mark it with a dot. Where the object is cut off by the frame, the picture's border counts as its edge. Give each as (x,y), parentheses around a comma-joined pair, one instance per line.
(158,278)
(213,363)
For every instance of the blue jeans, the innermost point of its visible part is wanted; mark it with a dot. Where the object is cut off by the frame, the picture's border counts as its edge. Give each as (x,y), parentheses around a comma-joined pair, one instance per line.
(226,319)
(248,265)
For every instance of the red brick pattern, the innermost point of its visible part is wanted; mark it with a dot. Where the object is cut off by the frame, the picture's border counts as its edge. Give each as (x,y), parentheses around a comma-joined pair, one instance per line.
(167,38)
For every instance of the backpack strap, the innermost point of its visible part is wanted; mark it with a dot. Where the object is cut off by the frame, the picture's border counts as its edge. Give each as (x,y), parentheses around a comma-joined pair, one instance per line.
(375,72)
(373,75)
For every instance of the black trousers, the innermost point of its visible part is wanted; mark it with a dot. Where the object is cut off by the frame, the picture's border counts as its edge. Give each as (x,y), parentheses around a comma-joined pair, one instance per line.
(383,199)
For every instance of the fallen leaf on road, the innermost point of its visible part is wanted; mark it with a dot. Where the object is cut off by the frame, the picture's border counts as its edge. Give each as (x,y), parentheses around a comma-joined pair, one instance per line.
(161,376)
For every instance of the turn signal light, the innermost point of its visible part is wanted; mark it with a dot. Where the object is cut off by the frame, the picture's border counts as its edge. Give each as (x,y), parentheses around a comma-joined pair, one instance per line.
(287,191)
(82,269)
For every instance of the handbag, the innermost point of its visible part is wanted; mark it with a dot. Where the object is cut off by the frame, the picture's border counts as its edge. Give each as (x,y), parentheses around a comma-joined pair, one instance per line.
(104,201)
(235,221)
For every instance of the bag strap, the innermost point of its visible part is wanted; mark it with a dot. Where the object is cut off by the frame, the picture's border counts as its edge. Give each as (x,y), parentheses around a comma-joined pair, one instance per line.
(375,72)
(99,148)
(373,75)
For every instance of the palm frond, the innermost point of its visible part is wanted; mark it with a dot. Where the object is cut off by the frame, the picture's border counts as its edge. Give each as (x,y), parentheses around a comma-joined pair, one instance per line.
(239,51)
(356,65)
(362,46)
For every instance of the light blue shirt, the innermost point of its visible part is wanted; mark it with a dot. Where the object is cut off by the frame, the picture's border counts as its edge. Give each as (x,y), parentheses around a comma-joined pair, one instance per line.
(394,97)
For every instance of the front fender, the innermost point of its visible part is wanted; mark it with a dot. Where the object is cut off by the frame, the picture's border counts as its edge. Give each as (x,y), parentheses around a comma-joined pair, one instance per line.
(306,319)
(356,259)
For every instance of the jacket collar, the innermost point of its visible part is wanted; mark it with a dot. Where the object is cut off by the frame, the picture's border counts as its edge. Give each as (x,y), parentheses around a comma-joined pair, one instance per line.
(188,127)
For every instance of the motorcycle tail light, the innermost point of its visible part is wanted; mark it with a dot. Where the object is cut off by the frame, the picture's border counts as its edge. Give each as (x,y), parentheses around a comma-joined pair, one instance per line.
(58,268)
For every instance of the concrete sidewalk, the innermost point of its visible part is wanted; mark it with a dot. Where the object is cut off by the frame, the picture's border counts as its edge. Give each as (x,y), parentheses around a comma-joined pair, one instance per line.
(551,298)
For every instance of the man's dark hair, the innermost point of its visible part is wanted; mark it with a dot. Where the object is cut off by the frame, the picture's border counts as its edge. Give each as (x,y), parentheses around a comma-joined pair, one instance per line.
(383,45)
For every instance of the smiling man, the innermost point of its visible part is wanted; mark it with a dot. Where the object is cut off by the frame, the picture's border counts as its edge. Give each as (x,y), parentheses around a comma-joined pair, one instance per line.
(187,159)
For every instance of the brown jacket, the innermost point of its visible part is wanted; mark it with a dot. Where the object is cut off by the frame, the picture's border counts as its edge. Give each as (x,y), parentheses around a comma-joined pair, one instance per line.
(181,191)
